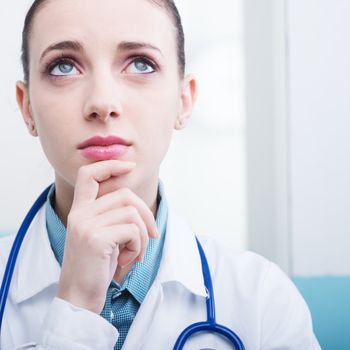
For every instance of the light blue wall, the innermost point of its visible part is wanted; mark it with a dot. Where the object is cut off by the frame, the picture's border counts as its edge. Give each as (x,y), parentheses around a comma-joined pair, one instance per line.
(329,302)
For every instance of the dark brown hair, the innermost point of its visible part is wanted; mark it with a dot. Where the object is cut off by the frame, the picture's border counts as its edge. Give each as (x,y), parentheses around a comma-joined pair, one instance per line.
(168,5)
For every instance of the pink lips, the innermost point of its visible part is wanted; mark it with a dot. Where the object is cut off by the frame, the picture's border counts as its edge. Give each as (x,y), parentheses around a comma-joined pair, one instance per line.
(104,148)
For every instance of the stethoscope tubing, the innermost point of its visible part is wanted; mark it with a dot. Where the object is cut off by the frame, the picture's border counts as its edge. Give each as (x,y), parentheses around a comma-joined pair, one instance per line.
(205,326)
(210,325)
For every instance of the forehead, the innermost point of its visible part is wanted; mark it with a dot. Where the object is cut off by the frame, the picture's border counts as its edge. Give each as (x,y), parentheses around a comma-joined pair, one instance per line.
(102,23)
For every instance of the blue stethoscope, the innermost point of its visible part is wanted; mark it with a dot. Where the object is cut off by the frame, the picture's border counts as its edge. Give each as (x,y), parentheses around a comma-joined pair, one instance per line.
(209,325)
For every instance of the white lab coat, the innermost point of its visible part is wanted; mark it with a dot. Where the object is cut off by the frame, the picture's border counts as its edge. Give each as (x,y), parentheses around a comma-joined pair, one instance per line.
(253,297)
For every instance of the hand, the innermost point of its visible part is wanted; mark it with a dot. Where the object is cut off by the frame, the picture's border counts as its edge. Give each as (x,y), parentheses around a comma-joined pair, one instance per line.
(102,233)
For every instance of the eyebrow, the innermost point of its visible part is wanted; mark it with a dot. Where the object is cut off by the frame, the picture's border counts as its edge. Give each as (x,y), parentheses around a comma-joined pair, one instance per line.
(78,47)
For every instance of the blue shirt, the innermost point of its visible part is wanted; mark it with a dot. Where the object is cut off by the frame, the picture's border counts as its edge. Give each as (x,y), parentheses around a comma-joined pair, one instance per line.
(122,301)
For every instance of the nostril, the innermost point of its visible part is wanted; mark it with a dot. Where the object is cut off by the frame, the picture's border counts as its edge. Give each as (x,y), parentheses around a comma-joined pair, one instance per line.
(114,114)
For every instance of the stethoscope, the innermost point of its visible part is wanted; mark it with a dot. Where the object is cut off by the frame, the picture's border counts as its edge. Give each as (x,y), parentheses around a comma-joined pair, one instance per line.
(209,325)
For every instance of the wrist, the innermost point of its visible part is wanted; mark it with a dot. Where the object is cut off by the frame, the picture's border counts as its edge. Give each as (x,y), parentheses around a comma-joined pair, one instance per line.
(81,302)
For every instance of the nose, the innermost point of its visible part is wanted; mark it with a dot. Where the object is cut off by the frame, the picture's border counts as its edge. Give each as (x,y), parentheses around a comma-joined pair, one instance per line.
(102,111)
(103,100)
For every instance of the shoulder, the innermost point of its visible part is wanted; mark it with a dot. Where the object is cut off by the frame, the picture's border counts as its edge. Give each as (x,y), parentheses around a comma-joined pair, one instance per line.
(226,264)
(222,257)
(255,274)
(285,317)
(232,267)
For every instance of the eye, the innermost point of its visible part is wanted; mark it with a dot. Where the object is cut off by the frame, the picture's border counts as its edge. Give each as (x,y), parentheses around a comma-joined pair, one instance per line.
(62,67)
(141,65)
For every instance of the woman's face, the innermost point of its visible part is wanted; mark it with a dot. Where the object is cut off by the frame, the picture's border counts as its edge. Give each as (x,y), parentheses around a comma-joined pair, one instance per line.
(123,79)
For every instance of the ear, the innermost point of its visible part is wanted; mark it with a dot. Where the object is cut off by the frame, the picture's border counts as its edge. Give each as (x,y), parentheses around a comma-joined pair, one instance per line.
(22,97)
(188,99)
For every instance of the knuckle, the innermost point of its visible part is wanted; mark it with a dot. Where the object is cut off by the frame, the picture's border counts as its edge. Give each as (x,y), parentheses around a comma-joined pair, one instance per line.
(144,241)
(134,229)
(136,243)
(131,212)
(138,246)
(126,195)
(125,191)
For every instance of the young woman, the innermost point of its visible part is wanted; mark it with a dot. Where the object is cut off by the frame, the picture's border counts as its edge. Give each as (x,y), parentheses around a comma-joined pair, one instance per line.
(107,263)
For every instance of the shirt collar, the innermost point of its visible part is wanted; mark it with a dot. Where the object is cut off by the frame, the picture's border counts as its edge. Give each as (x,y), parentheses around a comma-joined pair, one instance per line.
(55,228)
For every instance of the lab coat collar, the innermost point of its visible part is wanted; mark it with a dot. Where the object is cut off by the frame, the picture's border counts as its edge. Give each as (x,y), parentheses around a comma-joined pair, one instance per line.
(37,267)
(181,261)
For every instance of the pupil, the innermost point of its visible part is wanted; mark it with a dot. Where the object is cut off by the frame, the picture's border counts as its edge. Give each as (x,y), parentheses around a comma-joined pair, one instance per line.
(140,65)
(65,67)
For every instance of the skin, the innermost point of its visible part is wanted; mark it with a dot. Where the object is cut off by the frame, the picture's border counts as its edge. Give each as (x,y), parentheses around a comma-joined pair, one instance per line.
(107,206)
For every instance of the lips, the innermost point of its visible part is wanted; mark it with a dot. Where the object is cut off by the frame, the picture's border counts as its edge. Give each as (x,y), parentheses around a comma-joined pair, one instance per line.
(104,148)
(103,141)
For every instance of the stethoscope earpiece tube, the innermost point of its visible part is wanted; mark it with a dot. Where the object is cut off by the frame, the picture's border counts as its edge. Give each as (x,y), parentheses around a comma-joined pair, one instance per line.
(11,262)
(210,325)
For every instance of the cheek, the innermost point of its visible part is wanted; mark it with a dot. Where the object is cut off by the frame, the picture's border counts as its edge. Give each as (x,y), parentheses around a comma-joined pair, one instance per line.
(54,109)
(53,114)
(153,117)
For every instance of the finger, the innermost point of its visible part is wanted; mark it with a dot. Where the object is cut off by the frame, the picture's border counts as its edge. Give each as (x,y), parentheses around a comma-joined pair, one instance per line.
(126,257)
(126,197)
(126,235)
(90,176)
(124,215)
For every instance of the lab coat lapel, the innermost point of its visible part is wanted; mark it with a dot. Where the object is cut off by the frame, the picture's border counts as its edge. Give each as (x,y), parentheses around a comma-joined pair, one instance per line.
(181,261)
(36,267)
(180,264)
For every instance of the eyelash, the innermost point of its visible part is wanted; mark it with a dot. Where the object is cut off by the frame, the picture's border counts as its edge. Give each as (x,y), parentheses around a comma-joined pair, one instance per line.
(62,59)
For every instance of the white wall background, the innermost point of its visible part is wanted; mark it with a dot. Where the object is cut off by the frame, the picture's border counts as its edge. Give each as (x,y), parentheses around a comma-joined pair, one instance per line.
(204,169)
(24,169)
(319,90)
(268,217)
(212,148)
(298,145)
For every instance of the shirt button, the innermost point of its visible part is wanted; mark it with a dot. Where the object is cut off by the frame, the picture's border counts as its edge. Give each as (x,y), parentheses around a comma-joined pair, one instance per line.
(116,294)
